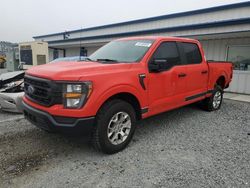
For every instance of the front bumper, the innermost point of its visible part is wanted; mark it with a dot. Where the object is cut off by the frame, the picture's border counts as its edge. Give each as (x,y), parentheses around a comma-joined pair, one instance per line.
(48,122)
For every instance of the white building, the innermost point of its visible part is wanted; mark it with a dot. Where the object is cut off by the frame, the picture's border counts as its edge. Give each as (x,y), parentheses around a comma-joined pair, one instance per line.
(224,32)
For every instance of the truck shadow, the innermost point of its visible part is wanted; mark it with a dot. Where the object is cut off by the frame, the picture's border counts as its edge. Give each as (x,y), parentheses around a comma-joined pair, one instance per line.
(171,116)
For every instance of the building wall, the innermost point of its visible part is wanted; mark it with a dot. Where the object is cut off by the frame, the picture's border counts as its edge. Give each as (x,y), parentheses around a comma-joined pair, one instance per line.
(74,51)
(51,56)
(217,50)
(241,82)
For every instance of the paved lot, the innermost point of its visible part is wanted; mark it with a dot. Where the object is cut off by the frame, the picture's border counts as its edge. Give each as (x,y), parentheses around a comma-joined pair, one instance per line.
(187,147)
(237,97)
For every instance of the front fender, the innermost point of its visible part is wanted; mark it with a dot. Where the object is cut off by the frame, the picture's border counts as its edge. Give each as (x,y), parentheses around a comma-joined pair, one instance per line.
(121,89)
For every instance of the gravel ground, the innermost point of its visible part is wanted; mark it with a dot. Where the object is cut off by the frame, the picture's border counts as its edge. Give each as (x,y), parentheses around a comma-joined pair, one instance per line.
(186,147)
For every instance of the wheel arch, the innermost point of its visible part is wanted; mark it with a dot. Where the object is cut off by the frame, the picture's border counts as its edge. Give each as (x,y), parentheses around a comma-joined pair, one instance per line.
(127,94)
(221,81)
(129,98)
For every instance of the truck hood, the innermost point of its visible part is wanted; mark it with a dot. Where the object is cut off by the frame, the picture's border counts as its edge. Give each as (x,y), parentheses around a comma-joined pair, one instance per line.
(73,71)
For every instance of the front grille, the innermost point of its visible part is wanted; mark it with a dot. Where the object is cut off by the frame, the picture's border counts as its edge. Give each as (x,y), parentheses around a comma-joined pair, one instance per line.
(42,91)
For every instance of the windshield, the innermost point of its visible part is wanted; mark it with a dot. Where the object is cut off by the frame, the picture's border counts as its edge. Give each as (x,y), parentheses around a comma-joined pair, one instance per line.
(122,51)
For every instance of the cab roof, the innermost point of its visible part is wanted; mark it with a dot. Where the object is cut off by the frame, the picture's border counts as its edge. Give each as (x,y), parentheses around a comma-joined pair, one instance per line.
(160,38)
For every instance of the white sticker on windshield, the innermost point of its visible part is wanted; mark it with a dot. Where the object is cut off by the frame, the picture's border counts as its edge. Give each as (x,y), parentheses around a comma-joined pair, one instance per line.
(143,44)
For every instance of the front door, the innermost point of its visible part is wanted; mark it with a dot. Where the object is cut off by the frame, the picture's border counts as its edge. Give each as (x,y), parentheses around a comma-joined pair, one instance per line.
(166,87)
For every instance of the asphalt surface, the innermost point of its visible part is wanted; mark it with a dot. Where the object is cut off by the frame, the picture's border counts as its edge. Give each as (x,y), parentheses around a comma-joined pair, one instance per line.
(186,147)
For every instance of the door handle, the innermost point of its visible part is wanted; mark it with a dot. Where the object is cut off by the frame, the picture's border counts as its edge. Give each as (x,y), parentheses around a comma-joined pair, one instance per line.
(204,72)
(182,75)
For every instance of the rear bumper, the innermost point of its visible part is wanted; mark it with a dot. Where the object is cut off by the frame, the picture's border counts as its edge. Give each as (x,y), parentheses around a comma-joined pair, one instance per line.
(48,122)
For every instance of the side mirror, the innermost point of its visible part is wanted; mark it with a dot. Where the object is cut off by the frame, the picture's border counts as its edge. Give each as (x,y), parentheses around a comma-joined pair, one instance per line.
(157,65)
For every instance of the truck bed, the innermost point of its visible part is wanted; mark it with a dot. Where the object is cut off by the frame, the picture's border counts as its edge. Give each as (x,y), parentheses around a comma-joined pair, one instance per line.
(213,61)
(217,69)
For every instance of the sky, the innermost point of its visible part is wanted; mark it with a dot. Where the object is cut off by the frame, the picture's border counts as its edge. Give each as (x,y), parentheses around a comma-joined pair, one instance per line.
(22,19)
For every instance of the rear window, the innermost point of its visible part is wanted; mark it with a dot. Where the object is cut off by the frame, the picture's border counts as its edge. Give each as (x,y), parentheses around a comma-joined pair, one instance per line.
(192,53)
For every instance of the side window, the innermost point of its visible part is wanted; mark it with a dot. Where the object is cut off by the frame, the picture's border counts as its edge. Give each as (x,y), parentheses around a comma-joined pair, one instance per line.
(192,53)
(168,51)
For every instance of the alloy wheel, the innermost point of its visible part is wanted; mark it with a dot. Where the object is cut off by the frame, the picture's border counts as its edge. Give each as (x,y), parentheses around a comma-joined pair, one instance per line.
(217,99)
(119,128)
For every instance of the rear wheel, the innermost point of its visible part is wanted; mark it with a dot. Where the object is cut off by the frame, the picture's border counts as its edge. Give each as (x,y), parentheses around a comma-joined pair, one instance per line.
(214,101)
(115,126)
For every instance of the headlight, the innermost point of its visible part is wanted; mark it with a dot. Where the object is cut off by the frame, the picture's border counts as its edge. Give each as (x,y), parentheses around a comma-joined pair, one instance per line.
(13,84)
(76,94)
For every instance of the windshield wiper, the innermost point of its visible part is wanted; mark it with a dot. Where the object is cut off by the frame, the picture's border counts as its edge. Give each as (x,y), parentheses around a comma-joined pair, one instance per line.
(108,60)
(86,59)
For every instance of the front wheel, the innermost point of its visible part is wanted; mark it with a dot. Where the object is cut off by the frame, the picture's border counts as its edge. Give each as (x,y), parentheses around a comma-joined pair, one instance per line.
(115,126)
(214,101)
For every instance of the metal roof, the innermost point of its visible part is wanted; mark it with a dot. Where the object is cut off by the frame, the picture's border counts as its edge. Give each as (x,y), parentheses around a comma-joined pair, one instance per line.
(175,15)
(167,29)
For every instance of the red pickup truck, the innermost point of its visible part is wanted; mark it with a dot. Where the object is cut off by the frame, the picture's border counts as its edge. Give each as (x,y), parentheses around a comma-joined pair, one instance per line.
(124,81)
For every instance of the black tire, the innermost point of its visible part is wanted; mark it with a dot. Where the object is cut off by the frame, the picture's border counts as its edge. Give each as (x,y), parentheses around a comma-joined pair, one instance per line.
(100,139)
(207,103)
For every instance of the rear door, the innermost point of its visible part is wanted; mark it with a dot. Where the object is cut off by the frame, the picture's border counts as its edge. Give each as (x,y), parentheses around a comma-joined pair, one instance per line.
(197,70)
